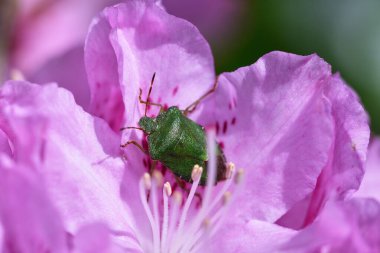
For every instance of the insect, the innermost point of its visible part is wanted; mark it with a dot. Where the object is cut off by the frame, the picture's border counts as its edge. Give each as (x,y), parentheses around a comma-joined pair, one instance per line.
(176,141)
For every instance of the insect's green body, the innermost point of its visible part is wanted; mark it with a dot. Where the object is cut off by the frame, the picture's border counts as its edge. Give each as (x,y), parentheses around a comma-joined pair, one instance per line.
(179,143)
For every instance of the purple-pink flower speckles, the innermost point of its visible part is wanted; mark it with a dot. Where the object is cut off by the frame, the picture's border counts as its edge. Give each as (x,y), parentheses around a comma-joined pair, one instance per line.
(286,120)
(175,90)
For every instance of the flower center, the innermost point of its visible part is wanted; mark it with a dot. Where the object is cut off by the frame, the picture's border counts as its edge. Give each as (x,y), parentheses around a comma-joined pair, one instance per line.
(183,227)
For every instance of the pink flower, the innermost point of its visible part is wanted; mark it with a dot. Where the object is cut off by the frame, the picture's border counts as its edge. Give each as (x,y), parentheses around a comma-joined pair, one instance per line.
(302,126)
(297,130)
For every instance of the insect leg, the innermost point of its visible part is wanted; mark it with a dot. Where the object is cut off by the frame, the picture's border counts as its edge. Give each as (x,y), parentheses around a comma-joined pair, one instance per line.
(136,144)
(193,106)
(147,99)
(182,185)
(124,128)
(149,103)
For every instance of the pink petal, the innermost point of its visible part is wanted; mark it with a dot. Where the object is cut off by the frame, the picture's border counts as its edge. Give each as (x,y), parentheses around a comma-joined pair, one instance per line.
(30,222)
(253,236)
(81,161)
(48,39)
(69,72)
(350,226)
(370,184)
(4,144)
(274,121)
(95,238)
(46,29)
(146,40)
(101,66)
(26,144)
(1,234)
(92,238)
(346,166)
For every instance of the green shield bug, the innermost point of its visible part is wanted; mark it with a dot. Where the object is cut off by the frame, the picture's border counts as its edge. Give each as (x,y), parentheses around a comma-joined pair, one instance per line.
(176,141)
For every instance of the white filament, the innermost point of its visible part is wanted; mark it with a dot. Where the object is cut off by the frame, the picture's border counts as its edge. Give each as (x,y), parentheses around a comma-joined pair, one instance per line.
(181,232)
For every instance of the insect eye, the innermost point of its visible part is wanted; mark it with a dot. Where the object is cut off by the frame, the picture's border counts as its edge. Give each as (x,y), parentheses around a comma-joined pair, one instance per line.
(149,125)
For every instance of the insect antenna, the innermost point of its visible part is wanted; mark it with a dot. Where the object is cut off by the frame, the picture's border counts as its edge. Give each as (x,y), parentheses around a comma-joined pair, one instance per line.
(150,90)
(194,105)
(147,103)
(136,144)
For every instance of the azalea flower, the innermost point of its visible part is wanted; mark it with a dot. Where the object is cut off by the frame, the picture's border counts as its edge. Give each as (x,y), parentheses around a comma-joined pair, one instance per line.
(299,133)
(286,108)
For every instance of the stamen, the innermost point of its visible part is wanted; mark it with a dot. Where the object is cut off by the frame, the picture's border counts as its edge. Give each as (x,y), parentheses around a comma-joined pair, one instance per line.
(211,173)
(167,192)
(153,193)
(239,176)
(187,238)
(198,233)
(230,170)
(196,172)
(226,197)
(145,184)
(177,197)
(206,223)
(178,231)
(157,175)
(202,233)
(173,219)
(225,187)
(147,181)
(209,208)
(167,189)
(225,201)
(17,75)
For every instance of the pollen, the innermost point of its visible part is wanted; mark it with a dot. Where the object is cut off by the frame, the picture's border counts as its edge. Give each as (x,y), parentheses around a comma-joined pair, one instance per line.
(176,223)
(158,177)
(226,197)
(17,75)
(196,173)
(147,181)
(230,170)
(167,189)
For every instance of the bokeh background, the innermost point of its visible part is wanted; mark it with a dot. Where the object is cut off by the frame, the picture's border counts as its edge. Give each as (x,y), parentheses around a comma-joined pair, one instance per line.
(346,33)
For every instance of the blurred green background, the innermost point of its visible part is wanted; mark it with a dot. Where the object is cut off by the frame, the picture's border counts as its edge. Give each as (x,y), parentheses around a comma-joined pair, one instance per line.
(346,33)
